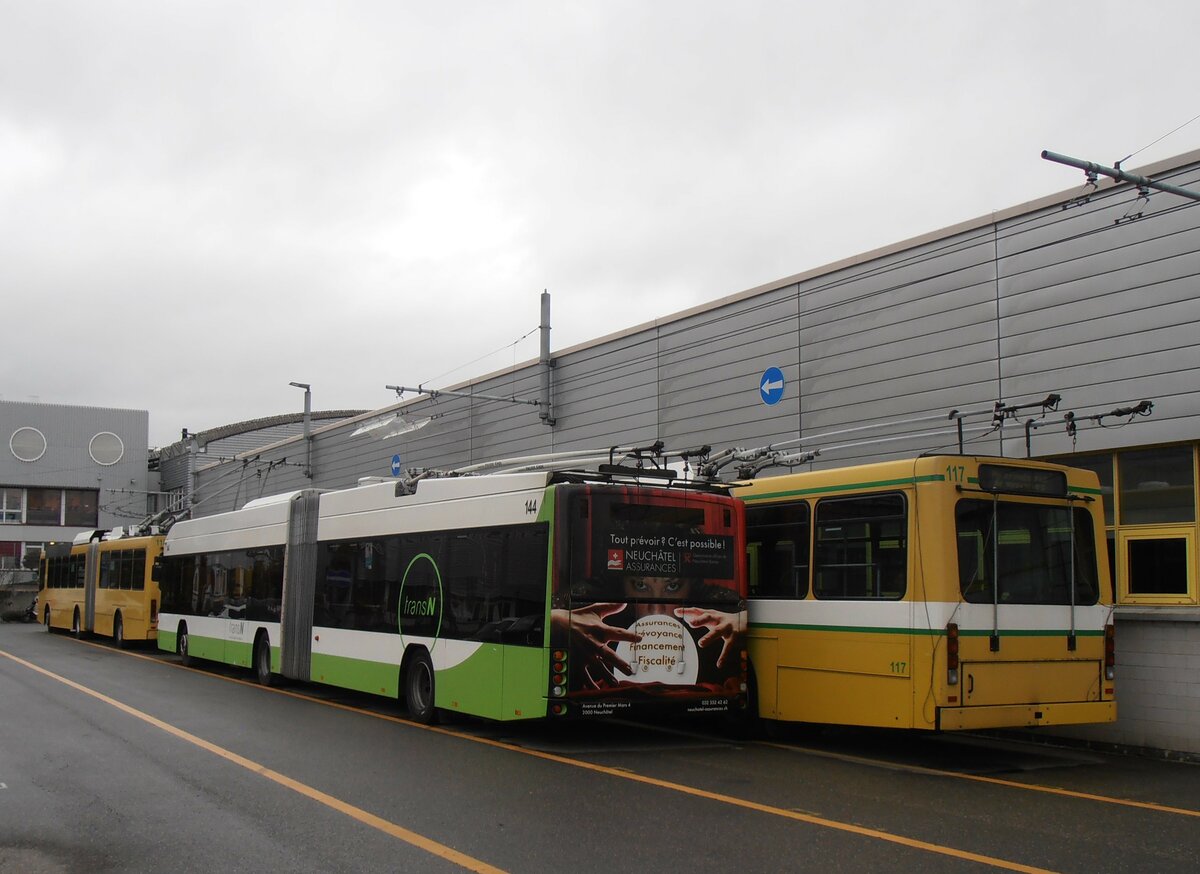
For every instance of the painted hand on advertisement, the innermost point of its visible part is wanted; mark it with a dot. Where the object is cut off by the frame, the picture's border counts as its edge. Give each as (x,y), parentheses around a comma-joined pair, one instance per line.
(589,637)
(724,626)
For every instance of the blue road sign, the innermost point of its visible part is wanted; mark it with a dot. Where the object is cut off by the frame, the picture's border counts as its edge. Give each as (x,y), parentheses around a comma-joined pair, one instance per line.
(396,465)
(770,387)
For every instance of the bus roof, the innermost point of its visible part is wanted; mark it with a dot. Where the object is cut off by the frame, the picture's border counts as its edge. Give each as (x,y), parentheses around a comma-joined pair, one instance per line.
(880,474)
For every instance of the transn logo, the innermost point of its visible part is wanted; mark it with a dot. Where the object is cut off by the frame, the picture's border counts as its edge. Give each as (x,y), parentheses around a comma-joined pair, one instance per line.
(616,559)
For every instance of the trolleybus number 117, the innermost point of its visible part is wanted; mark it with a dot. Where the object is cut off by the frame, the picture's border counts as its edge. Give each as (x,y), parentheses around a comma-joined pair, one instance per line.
(899,667)
(956,474)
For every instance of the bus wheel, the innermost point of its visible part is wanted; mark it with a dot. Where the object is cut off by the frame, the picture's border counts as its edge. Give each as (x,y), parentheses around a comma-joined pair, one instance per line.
(262,660)
(76,625)
(181,645)
(747,724)
(119,632)
(418,689)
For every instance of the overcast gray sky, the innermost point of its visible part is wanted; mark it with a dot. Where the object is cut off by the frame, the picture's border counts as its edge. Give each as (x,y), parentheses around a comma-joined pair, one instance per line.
(200,202)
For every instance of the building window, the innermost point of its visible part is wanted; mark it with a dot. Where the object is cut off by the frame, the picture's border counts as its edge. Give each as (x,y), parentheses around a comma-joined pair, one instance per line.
(82,508)
(27,444)
(1157,486)
(10,553)
(1157,566)
(12,506)
(43,507)
(106,448)
(1150,511)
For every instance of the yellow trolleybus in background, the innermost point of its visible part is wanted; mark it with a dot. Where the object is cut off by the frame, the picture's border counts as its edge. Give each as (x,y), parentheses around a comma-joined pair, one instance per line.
(101,584)
(942,592)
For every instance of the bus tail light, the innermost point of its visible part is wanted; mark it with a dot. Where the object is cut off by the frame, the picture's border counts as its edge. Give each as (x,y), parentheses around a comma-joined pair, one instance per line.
(1110,651)
(952,654)
(153,611)
(558,680)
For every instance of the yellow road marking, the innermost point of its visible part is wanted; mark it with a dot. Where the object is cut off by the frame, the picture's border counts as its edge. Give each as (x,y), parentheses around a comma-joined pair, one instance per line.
(996,781)
(791,814)
(681,788)
(370,819)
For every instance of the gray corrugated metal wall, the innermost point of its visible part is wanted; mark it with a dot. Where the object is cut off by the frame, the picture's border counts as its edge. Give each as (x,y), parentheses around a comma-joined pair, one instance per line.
(1014,306)
(1106,310)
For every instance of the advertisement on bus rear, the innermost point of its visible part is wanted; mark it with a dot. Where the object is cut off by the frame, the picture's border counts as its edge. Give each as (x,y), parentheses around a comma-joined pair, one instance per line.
(652,609)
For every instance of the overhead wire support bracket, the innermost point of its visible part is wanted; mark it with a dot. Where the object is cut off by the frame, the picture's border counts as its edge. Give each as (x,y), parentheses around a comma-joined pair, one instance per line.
(1001,411)
(435,393)
(1071,421)
(1117,173)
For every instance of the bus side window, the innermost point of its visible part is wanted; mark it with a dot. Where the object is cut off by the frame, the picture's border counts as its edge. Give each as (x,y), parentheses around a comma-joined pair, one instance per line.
(861,547)
(777,545)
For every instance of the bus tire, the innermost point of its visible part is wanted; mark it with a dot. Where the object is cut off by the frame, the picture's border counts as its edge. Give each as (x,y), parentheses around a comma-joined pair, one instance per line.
(419,689)
(746,724)
(119,631)
(262,659)
(181,645)
(76,625)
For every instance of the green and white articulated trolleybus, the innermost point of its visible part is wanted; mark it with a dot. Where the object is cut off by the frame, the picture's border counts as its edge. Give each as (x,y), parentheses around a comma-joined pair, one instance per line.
(506,596)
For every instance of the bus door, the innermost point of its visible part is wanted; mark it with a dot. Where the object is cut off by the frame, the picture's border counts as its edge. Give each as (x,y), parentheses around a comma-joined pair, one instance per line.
(1029,578)
(650,600)
(209,627)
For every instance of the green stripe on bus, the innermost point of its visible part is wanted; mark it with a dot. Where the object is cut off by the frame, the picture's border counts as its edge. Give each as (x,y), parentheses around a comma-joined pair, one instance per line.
(378,678)
(885,483)
(495,682)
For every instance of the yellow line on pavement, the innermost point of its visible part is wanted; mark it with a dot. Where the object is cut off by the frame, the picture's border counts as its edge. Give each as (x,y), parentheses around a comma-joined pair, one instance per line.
(995,781)
(370,819)
(682,788)
(726,799)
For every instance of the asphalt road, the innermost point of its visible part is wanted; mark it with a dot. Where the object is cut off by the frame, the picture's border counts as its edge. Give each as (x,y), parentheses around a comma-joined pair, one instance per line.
(125,761)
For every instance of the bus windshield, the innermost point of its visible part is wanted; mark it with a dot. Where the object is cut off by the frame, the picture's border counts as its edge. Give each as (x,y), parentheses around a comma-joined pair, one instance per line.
(1035,563)
(651,593)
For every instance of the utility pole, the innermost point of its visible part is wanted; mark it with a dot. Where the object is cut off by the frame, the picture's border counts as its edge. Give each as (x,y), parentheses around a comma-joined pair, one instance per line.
(546,413)
(307,426)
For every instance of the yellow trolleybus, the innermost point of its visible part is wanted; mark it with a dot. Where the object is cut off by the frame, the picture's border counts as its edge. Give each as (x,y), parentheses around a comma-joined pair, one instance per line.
(101,584)
(942,592)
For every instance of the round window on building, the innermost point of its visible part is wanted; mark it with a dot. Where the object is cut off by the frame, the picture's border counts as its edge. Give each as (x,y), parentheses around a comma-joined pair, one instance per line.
(27,444)
(106,448)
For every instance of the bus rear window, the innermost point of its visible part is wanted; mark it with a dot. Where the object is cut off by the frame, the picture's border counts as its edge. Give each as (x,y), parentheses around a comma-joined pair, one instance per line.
(1035,562)
(632,547)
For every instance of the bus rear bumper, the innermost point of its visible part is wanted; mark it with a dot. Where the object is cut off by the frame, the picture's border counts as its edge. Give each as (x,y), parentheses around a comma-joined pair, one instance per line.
(1019,715)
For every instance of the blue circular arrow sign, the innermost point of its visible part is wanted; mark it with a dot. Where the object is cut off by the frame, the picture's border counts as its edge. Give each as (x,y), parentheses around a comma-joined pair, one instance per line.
(770,387)
(396,465)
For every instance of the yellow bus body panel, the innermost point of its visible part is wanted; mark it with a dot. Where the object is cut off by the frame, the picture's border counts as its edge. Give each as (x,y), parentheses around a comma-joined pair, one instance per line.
(821,661)
(1026,715)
